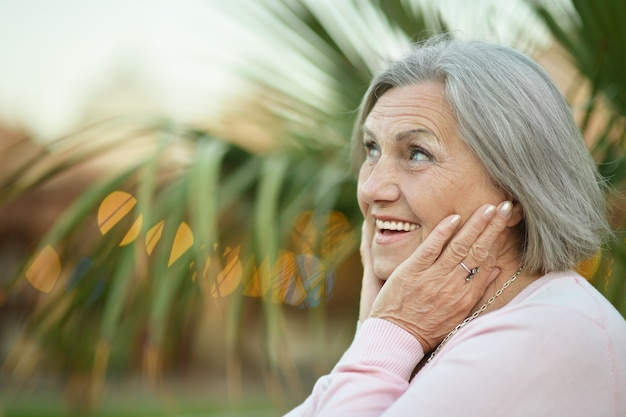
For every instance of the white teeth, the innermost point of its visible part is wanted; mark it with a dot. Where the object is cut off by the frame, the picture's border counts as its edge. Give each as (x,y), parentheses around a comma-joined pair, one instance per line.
(387,225)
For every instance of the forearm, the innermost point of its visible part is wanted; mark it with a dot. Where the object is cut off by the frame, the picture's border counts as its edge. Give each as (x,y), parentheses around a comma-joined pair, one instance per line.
(371,375)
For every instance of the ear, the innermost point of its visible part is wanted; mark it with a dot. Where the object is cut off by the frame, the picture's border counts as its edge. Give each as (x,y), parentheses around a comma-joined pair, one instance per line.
(517,215)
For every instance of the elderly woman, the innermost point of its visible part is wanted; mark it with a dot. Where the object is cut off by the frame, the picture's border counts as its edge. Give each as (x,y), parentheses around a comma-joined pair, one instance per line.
(479,197)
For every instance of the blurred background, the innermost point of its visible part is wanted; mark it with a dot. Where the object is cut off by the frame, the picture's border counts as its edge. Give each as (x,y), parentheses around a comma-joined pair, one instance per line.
(178,223)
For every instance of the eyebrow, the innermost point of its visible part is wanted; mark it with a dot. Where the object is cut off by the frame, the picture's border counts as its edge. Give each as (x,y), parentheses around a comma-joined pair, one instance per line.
(368,132)
(419,131)
(405,134)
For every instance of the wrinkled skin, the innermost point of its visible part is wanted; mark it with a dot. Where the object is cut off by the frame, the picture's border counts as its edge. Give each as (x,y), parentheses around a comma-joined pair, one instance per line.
(428,204)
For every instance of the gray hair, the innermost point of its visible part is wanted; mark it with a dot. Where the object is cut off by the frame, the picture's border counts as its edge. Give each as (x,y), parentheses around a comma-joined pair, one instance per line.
(514,118)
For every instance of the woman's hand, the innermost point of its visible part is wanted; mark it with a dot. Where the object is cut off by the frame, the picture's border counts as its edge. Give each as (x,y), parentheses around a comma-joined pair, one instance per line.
(427,294)
(371,284)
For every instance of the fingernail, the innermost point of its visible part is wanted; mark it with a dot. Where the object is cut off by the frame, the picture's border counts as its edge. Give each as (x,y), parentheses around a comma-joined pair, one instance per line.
(454,221)
(489,212)
(506,208)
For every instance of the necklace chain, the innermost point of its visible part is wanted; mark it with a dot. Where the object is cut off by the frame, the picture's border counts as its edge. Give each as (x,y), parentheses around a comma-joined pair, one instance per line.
(476,313)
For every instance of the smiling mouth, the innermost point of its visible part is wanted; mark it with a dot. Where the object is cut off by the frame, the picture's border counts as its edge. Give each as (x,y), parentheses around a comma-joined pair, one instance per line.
(390,226)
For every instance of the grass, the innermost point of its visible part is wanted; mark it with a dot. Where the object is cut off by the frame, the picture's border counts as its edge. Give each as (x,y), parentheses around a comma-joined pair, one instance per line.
(132,400)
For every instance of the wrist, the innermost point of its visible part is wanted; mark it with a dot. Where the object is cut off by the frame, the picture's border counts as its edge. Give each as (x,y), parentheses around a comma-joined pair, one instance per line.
(382,344)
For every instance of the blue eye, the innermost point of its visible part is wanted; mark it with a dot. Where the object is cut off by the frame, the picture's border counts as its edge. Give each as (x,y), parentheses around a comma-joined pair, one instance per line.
(418,154)
(371,149)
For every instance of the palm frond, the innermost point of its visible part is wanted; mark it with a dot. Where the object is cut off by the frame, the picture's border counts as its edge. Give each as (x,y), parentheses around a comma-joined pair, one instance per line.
(225,229)
(593,35)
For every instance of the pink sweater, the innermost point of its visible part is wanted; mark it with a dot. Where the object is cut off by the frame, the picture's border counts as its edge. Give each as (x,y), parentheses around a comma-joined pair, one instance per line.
(557,349)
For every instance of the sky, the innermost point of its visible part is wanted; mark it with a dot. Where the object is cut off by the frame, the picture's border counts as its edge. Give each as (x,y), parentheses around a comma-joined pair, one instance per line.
(65,60)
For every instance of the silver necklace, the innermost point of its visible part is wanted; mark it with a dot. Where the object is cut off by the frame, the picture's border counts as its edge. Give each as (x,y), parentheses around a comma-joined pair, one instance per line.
(476,313)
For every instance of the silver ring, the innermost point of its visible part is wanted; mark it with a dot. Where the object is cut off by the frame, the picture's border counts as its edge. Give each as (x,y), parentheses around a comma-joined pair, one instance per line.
(471,272)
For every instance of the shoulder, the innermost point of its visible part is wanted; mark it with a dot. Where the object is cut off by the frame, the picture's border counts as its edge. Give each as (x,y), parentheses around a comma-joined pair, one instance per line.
(562,298)
(560,340)
(558,310)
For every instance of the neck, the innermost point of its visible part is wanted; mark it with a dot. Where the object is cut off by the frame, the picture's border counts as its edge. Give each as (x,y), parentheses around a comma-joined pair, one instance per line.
(508,270)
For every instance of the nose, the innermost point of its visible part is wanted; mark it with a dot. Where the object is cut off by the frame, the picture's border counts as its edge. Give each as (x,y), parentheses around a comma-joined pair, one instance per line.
(378,183)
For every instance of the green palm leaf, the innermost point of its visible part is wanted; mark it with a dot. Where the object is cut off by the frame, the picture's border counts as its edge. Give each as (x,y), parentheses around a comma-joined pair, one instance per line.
(593,35)
(217,230)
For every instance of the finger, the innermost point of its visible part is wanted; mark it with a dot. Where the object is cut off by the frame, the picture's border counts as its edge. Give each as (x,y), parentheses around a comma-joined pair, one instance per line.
(483,252)
(459,247)
(366,239)
(371,284)
(430,249)
(483,247)
(490,261)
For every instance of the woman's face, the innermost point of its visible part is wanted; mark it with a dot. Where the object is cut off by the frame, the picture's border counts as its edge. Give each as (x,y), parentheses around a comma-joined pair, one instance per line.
(416,172)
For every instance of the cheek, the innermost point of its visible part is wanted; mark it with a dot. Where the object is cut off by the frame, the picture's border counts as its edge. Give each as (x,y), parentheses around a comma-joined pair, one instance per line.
(432,201)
